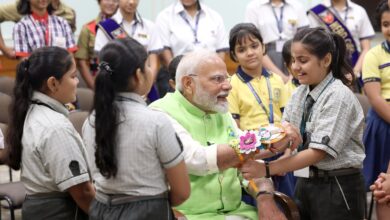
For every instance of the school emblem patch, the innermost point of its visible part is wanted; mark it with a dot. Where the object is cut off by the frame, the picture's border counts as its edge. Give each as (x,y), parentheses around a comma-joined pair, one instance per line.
(277,94)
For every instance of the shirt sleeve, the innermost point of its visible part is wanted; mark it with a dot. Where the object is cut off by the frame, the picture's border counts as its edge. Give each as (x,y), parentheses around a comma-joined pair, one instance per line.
(365,30)
(83,44)
(155,45)
(100,40)
(62,157)
(169,147)
(20,40)
(70,42)
(370,70)
(162,25)
(251,15)
(200,160)
(221,36)
(331,130)
(8,12)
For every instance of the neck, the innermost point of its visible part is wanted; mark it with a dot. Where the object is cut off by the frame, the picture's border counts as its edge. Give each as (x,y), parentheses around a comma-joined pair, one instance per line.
(128,17)
(277,2)
(39,12)
(256,72)
(339,4)
(191,10)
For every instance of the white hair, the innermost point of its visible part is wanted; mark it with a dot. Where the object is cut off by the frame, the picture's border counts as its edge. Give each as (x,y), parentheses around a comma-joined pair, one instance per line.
(190,64)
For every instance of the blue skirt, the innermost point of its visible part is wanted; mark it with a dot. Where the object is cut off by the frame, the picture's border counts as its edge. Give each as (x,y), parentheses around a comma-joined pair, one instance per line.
(377,143)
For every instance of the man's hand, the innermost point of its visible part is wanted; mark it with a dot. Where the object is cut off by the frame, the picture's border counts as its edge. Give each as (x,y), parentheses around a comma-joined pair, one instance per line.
(9,53)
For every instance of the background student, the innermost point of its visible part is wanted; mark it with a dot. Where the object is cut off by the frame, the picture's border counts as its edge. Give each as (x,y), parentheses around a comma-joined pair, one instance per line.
(376,80)
(331,121)
(43,142)
(138,164)
(293,82)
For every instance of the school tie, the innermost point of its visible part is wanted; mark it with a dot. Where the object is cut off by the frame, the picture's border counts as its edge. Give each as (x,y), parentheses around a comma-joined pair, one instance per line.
(306,113)
(308,105)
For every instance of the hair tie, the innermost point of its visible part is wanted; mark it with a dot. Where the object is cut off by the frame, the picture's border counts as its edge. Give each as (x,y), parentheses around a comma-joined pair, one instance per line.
(105,66)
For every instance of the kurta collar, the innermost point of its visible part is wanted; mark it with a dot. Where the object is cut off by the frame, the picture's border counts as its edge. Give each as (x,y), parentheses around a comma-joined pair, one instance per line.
(188,105)
(54,104)
(244,77)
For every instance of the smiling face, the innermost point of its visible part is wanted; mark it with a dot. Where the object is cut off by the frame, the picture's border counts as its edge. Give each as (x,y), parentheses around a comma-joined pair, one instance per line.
(108,7)
(309,69)
(128,7)
(385,25)
(211,86)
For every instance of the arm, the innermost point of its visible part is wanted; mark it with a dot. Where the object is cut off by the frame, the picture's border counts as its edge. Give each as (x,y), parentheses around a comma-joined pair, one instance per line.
(153,64)
(179,183)
(83,67)
(253,169)
(83,194)
(373,92)
(365,45)
(166,56)
(268,64)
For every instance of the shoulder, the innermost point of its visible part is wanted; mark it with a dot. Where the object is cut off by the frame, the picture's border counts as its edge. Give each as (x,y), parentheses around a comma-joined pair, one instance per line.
(210,12)
(275,78)
(166,11)
(356,7)
(254,4)
(148,23)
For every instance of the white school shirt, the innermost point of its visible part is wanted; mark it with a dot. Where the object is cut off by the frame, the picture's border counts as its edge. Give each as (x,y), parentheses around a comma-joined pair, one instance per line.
(357,21)
(177,34)
(261,14)
(140,29)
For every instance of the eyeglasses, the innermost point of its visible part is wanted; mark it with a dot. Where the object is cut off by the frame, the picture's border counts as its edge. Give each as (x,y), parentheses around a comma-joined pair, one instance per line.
(217,79)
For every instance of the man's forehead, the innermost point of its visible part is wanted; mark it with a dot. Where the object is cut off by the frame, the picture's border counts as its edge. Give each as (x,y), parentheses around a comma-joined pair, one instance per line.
(211,66)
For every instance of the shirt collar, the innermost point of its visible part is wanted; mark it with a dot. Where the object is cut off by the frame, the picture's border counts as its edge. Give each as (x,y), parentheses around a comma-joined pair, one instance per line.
(244,77)
(316,92)
(133,96)
(188,105)
(40,18)
(119,18)
(328,3)
(54,104)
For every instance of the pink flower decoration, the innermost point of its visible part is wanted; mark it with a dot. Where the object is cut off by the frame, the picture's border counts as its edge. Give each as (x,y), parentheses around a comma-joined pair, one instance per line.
(248,142)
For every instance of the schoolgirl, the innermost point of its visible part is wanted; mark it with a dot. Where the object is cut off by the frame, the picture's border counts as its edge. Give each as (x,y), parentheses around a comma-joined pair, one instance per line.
(331,121)
(376,80)
(43,142)
(135,151)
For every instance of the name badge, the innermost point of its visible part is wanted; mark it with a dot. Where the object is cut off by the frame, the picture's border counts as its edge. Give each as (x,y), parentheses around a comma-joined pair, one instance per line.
(279,45)
(304,172)
(59,42)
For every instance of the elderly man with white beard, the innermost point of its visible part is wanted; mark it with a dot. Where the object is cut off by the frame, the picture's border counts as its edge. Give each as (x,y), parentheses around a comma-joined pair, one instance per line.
(198,110)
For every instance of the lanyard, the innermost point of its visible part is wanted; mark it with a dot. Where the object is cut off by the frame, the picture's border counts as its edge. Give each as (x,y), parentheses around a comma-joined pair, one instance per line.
(303,123)
(279,20)
(271,106)
(134,28)
(194,29)
(338,15)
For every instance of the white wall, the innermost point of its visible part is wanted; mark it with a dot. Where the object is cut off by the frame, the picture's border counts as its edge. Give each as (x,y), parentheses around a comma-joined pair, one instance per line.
(232,11)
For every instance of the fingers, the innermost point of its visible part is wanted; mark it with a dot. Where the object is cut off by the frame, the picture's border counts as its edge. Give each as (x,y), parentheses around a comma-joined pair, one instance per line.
(293,134)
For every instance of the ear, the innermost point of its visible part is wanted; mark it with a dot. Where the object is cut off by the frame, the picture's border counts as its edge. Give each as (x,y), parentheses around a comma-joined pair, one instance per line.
(172,84)
(52,84)
(327,60)
(136,80)
(187,84)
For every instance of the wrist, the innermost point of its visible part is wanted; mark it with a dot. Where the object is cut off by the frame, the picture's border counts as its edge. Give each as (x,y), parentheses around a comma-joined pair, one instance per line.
(267,172)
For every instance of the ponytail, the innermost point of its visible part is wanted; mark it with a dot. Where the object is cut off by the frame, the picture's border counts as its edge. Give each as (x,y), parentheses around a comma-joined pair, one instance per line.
(31,75)
(119,61)
(340,66)
(19,107)
(106,117)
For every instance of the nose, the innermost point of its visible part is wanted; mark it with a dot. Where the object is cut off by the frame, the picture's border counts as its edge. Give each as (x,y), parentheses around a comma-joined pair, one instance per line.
(226,85)
(295,66)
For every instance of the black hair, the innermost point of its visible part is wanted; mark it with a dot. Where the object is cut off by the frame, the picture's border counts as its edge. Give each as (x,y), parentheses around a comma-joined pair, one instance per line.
(24,7)
(239,33)
(31,75)
(320,42)
(286,52)
(173,66)
(380,9)
(119,61)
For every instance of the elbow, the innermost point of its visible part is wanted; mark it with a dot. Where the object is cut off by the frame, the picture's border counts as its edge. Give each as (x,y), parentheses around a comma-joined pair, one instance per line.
(179,198)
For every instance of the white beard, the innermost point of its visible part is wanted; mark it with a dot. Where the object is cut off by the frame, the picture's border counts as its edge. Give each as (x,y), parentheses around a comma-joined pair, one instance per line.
(208,102)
